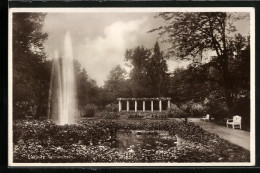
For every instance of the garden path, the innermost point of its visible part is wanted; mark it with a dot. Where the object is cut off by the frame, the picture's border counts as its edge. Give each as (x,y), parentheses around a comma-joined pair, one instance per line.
(236,136)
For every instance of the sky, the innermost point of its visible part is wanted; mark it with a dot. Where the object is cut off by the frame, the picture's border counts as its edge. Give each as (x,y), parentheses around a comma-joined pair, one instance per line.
(100,39)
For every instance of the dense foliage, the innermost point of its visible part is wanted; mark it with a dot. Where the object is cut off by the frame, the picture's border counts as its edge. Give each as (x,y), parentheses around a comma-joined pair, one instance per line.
(148,75)
(87,89)
(117,85)
(227,73)
(192,33)
(88,110)
(29,63)
(96,141)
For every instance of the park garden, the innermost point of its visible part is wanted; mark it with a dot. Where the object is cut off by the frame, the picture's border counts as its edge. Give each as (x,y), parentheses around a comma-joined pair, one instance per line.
(106,130)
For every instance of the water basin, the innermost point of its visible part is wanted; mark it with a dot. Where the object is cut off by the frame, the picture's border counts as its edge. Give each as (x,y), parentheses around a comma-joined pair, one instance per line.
(133,139)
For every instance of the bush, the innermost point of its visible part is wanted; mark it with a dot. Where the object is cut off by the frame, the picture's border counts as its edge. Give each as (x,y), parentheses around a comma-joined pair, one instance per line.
(198,110)
(101,108)
(101,114)
(88,110)
(186,107)
(176,112)
(216,104)
(194,109)
(111,107)
(217,110)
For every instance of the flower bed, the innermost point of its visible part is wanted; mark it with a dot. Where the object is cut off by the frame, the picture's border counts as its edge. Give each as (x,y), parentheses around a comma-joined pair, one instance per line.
(47,133)
(135,116)
(107,115)
(95,141)
(160,116)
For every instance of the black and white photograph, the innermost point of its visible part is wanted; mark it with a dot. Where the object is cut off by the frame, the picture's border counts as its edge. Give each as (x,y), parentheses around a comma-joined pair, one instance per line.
(131,87)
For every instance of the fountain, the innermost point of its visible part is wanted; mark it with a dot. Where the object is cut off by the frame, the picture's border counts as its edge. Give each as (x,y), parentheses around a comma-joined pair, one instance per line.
(62,96)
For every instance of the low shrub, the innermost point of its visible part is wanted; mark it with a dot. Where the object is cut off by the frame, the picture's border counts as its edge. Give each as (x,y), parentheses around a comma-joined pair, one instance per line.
(176,112)
(111,107)
(198,110)
(194,109)
(216,104)
(88,110)
(101,114)
(218,111)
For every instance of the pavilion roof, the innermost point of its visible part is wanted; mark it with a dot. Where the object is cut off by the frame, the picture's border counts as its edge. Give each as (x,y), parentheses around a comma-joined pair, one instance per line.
(146,99)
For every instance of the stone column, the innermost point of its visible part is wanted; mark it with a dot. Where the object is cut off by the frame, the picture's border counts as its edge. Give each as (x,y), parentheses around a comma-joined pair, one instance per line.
(135,105)
(119,106)
(127,105)
(152,105)
(160,105)
(144,105)
(169,104)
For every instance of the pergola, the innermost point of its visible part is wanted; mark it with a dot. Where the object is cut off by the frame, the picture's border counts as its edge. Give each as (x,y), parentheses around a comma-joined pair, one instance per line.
(160,99)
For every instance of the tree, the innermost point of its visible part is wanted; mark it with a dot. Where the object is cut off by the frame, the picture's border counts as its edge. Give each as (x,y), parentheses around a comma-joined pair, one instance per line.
(139,59)
(87,89)
(156,72)
(240,65)
(148,75)
(31,71)
(117,85)
(240,73)
(192,33)
(194,83)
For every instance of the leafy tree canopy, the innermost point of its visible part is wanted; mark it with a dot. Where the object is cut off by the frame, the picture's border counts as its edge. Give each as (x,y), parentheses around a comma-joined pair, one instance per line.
(31,71)
(192,33)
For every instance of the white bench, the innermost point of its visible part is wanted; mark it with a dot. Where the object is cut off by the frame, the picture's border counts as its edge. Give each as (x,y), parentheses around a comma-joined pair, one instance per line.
(235,122)
(205,118)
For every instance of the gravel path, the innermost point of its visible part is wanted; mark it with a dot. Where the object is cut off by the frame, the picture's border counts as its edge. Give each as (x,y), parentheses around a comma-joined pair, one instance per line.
(236,136)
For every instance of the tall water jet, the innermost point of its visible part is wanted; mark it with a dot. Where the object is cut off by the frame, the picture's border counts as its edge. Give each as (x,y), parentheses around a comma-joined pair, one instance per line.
(63,89)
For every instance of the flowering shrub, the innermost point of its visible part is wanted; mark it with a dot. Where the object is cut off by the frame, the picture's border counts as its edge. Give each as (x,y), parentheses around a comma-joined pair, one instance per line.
(95,141)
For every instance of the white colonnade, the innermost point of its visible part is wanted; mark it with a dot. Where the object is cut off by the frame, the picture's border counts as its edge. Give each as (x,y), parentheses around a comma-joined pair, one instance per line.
(160,99)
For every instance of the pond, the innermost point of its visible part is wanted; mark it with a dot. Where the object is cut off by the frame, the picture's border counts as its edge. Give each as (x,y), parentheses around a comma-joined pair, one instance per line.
(132,139)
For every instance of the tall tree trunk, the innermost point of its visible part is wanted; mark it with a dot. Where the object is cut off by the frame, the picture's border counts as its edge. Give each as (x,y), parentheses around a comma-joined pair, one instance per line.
(225,71)
(227,83)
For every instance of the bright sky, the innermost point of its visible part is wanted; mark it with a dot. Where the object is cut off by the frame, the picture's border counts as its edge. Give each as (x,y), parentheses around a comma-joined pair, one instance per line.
(101,39)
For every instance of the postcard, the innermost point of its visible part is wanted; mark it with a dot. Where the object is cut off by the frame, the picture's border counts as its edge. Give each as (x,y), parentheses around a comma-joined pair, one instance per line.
(131,87)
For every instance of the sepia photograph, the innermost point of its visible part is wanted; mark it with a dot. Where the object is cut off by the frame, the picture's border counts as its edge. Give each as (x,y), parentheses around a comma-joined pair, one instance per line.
(131,87)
